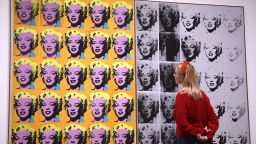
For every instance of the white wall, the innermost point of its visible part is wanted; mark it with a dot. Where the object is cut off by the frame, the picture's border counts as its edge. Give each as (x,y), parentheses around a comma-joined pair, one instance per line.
(250,31)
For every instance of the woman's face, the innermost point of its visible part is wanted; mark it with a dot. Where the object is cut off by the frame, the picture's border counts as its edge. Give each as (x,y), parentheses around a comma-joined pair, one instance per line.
(147,137)
(188,21)
(121,107)
(50,12)
(74,137)
(146,46)
(189,48)
(168,106)
(98,76)
(231,23)
(24,74)
(165,17)
(235,112)
(98,44)
(233,53)
(50,44)
(234,82)
(145,17)
(74,13)
(98,15)
(121,136)
(147,108)
(98,136)
(73,107)
(24,10)
(211,51)
(74,44)
(24,108)
(120,16)
(211,80)
(49,107)
(121,76)
(49,137)
(210,22)
(121,45)
(98,107)
(25,42)
(146,77)
(22,137)
(50,76)
(74,76)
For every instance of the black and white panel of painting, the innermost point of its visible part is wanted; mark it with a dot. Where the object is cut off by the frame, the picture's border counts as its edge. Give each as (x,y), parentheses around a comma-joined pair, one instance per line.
(148,76)
(147,16)
(169,16)
(147,46)
(167,80)
(149,134)
(148,107)
(167,106)
(191,47)
(168,133)
(169,46)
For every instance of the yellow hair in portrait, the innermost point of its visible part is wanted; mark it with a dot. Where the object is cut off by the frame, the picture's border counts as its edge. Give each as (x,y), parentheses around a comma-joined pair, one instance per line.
(25,61)
(125,5)
(49,94)
(100,126)
(122,95)
(50,62)
(24,127)
(75,33)
(76,127)
(100,34)
(123,65)
(58,2)
(101,64)
(52,32)
(76,63)
(77,2)
(124,126)
(26,95)
(34,3)
(99,3)
(70,95)
(123,34)
(49,127)
(103,96)
(20,30)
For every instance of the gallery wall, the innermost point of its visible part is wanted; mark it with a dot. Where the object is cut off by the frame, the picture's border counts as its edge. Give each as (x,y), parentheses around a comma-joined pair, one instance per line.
(250,31)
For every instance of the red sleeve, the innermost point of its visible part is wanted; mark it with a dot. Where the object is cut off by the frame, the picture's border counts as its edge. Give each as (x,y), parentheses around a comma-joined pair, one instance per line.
(181,117)
(213,122)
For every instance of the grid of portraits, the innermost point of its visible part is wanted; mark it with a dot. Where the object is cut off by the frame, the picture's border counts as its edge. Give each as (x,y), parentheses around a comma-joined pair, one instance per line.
(73,71)
(212,39)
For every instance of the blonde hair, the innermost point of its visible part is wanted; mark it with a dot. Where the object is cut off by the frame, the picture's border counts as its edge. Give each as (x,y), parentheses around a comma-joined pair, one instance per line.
(50,127)
(76,127)
(123,65)
(101,64)
(58,2)
(83,45)
(52,32)
(35,6)
(20,30)
(77,2)
(49,62)
(126,96)
(103,96)
(25,61)
(124,126)
(190,83)
(49,94)
(24,127)
(100,126)
(123,34)
(101,34)
(76,63)
(123,4)
(26,95)
(70,95)
(100,3)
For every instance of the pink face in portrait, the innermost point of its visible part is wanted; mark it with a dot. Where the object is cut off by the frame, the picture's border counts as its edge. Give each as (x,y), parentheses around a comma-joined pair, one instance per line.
(74,137)
(25,42)
(120,16)
(24,108)
(121,107)
(98,15)
(98,108)
(50,44)
(50,76)
(74,44)
(121,76)
(22,137)
(120,46)
(49,137)
(98,136)
(121,136)
(73,76)
(74,14)
(98,76)
(24,75)
(24,11)
(98,44)
(49,107)
(74,107)
(50,13)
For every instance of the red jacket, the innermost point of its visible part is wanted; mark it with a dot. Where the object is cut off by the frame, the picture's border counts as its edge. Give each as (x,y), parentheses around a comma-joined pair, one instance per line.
(192,116)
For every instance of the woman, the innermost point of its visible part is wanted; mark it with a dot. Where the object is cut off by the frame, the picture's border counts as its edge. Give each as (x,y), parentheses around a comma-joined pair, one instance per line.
(27,11)
(52,11)
(123,134)
(75,134)
(23,134)
(195,118)
(49,134)
(99,134)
